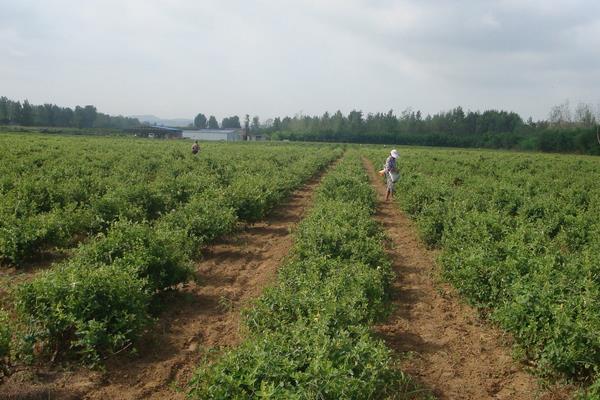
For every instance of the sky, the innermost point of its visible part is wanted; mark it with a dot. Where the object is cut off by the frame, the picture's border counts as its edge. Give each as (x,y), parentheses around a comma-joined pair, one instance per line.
(177,58)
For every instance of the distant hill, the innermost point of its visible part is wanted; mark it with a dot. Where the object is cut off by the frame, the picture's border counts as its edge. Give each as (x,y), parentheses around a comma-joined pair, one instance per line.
(154,120)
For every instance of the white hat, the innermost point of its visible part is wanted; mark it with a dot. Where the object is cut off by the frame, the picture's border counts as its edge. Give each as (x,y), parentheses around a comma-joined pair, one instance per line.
(394,153)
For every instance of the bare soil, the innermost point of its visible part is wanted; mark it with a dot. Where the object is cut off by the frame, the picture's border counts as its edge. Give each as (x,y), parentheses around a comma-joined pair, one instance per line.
(199,317)
(441,341)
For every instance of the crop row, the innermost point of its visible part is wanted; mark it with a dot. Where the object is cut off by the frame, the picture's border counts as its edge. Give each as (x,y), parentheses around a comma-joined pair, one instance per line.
(308,335)
(58,190)
(520,236)
(100,299)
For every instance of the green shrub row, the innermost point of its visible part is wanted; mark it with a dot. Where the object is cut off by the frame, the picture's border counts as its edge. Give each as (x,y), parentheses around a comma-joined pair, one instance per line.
(520,236)
(99,300)
(82,309)
(56,190)
(308,335)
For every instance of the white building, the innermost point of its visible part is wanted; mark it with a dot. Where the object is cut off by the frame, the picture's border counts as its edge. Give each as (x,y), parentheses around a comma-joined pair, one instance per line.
(226,135)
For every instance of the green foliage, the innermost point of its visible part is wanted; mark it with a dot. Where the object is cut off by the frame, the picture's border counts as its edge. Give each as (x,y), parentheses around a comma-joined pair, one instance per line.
(349,234)
(348,188)
(145,208)
(57,190)
(305,361)
(204,218)
(88,309)
(200,121)
(338,293)
(252,197)
(135,201)
(309,335)
(212,123)
(520,238)
(592,393)
(50,115)
(5,336)
(152,253)
(231,122)
(455,128)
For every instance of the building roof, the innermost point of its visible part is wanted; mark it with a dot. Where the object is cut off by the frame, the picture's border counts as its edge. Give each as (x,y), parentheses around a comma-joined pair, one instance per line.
(152,128)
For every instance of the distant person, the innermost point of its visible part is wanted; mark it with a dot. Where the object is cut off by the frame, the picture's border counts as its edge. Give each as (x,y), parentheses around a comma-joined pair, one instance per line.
(195,148)
(391,172)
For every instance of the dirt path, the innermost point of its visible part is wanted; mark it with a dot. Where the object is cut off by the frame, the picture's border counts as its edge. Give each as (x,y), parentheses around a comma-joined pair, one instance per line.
(444,345)
(200,316)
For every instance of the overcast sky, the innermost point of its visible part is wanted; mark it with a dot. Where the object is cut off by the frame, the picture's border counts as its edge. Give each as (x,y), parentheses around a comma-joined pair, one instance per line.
(175,58)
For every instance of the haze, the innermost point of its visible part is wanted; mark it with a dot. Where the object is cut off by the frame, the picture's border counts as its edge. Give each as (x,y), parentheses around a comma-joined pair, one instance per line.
(270,58)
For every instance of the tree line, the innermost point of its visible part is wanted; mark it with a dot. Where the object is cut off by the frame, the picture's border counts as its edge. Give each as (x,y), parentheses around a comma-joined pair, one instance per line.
(51,115)
(565,130)
(201,122)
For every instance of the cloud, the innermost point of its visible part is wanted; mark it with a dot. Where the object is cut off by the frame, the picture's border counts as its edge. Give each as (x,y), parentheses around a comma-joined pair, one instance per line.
(267,57)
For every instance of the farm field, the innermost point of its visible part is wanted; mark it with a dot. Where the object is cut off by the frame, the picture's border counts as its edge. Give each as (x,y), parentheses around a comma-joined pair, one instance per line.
(308,335)
(519,237)
(262,270)
(140,212)
(57,190)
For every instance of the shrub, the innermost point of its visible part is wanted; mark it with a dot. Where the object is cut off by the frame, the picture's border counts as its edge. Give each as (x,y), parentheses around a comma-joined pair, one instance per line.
(88,309)
(348,187)
(592,393)
(303,362)
(338,293)
(205,218)
(251,197)
(340,230)
(309,333)
(519,235)
(5,335)
(19,236)
(152,253)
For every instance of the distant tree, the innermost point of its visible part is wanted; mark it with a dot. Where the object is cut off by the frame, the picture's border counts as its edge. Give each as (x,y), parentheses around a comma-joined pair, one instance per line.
(105,121)
(390,122)
(89,116)
(85,117)
(13,112)
(78,117)
(584,115)
(457,121)
(277,124)
(200,121)
(45,115)
(560,115)
(355,120)
(246,127)
(15,115)
(255,127)
(212,123)
(4,117)
(231,122)
(65,116)
(338,122)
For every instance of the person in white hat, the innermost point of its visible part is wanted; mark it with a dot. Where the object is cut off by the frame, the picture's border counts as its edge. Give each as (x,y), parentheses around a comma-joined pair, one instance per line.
(392,174)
